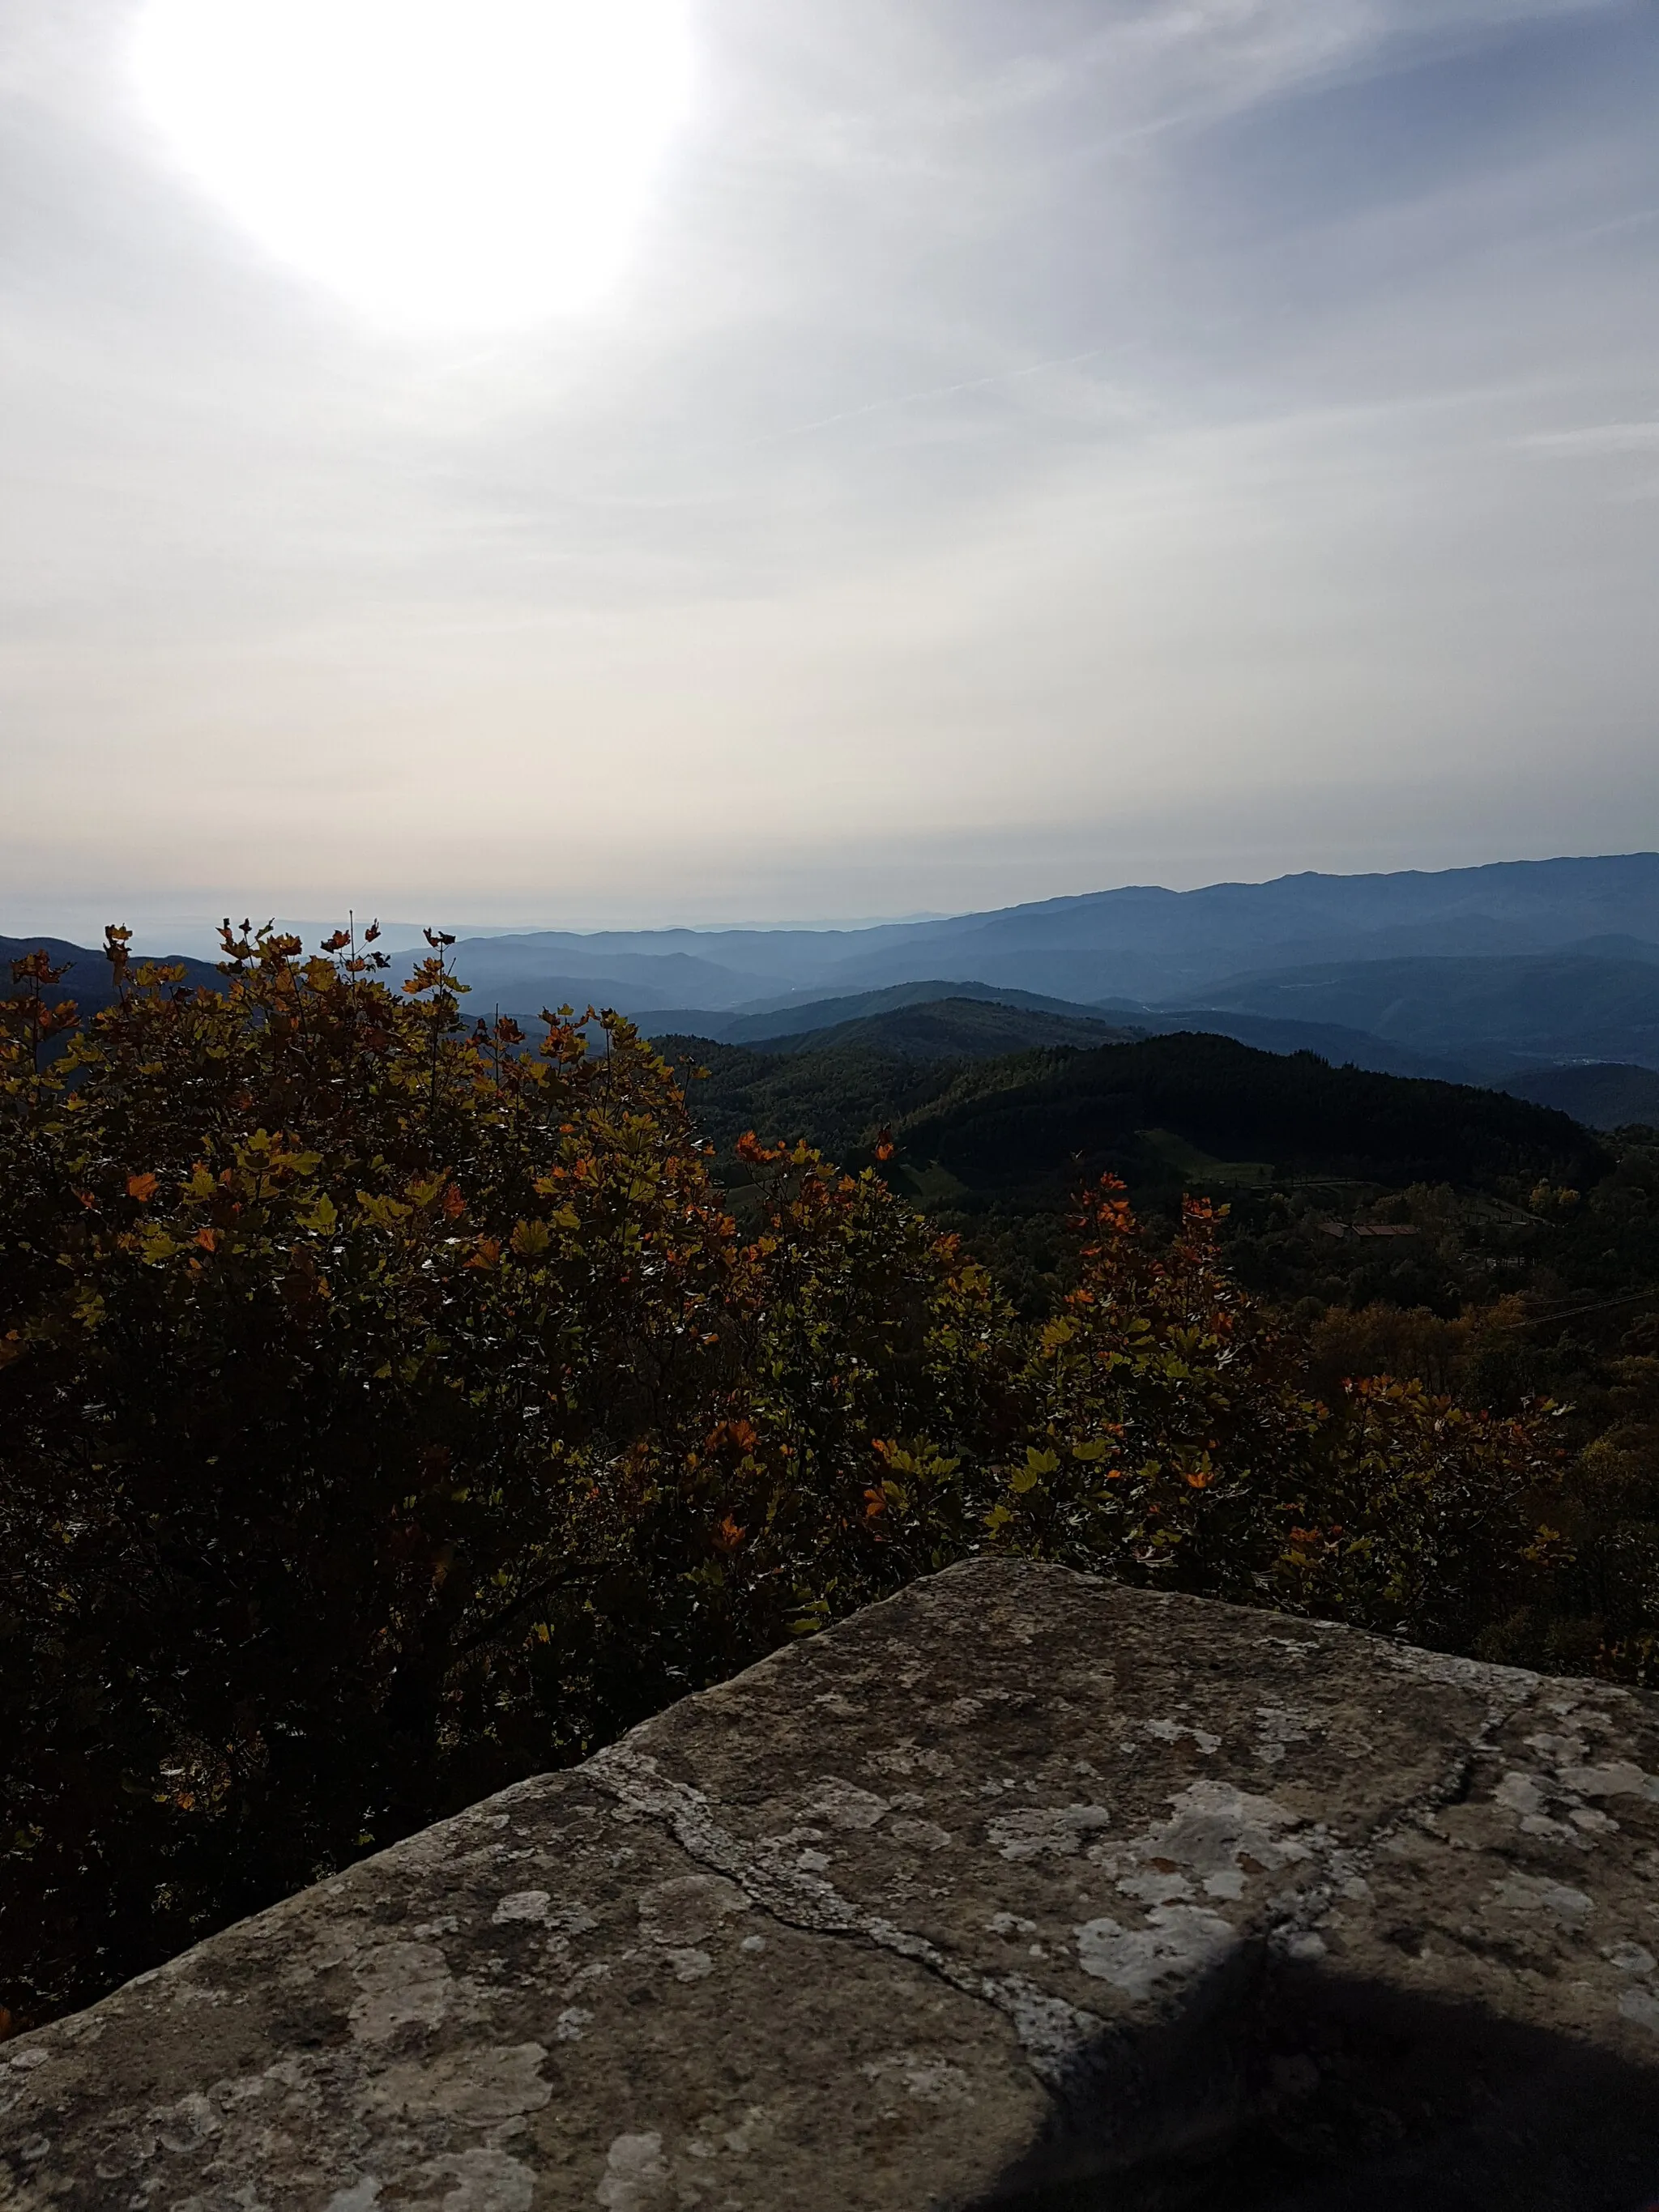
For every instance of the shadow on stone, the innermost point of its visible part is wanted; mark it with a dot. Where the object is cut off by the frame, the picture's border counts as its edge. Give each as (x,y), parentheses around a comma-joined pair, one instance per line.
(1302,2092)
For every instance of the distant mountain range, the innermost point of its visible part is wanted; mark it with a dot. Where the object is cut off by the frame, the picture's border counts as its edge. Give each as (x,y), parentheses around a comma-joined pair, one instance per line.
(1470,973)
(1492,976)
(1503,1009)
(87,978)
(953,1029)
(1156,947)
(1601,1096)
(775,1023)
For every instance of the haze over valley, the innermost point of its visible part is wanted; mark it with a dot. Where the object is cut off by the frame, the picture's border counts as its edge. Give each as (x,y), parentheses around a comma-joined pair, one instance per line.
(1540,977)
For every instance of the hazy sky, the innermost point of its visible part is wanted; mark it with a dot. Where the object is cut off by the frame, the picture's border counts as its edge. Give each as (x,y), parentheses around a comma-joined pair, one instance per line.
(1030,446)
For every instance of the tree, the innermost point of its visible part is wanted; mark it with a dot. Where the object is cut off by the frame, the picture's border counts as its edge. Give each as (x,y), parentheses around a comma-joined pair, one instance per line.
(386,1410)
(390,1409)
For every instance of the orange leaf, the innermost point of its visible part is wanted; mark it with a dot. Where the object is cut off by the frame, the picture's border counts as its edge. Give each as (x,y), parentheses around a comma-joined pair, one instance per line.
(142,1188)
(208,1239)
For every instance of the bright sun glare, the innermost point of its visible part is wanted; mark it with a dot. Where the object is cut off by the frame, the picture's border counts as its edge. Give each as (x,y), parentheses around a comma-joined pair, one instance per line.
(446,165)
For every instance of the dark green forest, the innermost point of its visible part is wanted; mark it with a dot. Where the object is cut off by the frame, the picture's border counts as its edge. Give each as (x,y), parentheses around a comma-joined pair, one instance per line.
(393,1404)
(1492,1251)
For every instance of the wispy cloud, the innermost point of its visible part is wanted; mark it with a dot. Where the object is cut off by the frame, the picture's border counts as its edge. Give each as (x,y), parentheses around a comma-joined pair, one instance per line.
(1593,440)
(1051,430)
(999,379)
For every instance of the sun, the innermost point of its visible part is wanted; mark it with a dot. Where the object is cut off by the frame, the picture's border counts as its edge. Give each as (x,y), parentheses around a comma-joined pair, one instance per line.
(444,165)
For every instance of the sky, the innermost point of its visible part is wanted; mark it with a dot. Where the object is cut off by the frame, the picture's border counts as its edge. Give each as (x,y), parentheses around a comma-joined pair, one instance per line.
(1009,447)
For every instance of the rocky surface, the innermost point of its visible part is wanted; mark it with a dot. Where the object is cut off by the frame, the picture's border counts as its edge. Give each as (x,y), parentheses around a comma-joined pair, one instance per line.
(1022,1888)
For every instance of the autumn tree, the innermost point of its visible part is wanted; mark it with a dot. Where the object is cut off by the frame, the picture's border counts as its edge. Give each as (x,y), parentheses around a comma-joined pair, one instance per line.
(387,1409)
(390,1407)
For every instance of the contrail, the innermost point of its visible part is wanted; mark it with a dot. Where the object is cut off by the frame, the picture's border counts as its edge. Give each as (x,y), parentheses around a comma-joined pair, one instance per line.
(937,391)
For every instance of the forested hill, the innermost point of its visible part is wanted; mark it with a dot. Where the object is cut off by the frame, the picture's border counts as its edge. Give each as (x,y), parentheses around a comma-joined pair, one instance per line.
(1156,1111)
(836,1100)
(1089,1111)
(1605,1096)
(954,1029)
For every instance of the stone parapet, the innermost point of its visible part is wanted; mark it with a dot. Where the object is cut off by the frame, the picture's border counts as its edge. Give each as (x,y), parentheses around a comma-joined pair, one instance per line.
(1019,1889)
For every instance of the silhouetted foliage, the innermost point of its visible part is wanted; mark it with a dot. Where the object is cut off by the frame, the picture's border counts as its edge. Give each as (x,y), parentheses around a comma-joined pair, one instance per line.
(389,1410)
(383,1406)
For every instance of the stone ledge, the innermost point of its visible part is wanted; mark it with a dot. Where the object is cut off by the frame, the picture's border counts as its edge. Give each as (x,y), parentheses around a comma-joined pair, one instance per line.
(1020,1889)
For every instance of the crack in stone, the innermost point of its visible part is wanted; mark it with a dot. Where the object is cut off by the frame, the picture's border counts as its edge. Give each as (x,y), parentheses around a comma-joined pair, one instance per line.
(1053,2033)
(1391,1864)
(1291,1928)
